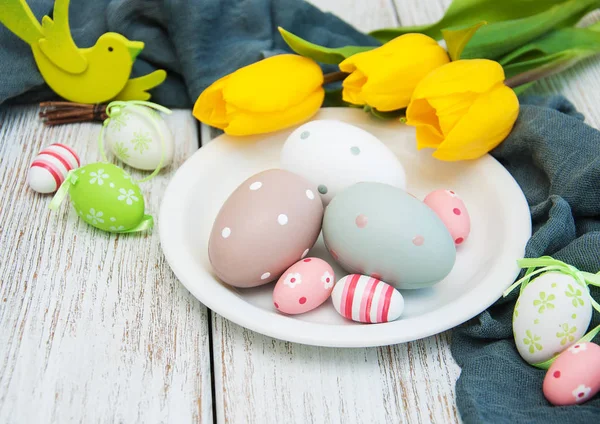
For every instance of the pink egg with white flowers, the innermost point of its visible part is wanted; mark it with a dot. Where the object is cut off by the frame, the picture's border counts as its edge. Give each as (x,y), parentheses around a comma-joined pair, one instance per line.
(50,167)
(366,299)
(304,286)
(452,211)
(574,377)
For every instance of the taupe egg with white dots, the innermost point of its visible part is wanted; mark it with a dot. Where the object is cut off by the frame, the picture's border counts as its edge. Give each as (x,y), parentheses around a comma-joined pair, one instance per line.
(268,223)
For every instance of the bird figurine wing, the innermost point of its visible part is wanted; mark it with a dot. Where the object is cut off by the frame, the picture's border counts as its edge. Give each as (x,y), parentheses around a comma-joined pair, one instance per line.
(57,43)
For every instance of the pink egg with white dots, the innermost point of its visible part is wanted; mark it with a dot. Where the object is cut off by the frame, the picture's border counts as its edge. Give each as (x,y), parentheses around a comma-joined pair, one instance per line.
(574,377)
(304,286)
(452,211)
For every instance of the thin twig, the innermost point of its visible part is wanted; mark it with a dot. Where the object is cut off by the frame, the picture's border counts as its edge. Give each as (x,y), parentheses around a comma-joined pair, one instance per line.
(333,77)
(56,113)
(66,104)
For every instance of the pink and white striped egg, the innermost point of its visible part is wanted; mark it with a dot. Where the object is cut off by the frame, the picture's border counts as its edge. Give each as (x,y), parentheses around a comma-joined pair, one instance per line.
(574,377)
(452,211)
(304,286)
(50,167)
(366,299)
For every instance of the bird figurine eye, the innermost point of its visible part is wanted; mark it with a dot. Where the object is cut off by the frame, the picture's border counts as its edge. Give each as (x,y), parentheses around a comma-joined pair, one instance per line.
(110,49)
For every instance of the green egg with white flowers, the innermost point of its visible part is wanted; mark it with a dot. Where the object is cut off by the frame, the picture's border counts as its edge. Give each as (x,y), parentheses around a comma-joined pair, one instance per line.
(105,196)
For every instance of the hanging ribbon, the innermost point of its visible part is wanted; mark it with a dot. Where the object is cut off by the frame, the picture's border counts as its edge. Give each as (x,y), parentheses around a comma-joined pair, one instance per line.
(63,190)
(582,278)
(146,223)
(115,108)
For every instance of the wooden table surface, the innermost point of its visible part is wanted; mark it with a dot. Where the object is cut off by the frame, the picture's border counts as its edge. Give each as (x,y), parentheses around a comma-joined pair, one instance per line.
(95,327)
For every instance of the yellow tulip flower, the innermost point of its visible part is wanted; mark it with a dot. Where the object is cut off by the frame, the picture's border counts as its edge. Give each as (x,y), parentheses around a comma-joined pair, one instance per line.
(463,109)
(385,77)
(269,95)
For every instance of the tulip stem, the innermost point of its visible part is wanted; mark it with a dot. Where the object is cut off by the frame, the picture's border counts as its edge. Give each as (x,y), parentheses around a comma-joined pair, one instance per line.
(333,77)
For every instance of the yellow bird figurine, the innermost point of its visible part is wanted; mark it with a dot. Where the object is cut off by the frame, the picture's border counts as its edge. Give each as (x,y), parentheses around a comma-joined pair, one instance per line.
(91,75)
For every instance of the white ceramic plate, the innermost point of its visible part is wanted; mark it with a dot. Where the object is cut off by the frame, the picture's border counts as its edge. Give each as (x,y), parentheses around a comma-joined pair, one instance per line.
(485,264)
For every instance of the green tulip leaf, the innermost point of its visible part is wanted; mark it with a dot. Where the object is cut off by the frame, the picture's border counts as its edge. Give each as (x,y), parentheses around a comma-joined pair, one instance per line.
(469,12)
(496,40)
(319,53)
(457,38)
(550,54)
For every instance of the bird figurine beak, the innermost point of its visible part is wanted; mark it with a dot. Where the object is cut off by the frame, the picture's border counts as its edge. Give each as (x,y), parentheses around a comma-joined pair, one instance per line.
(135,48)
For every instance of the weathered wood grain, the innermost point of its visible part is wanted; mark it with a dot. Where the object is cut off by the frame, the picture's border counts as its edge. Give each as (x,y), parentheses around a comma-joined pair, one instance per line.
(364,15)
(94,327)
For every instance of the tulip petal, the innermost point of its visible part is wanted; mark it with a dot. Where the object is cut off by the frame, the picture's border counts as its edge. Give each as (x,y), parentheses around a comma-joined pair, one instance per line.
(420,114)
(473,75)
(487,123)
(273,84)
(352,86)
(392,71)
(398,77)
(244,122)
(450,109)
(427,136)
(210,106)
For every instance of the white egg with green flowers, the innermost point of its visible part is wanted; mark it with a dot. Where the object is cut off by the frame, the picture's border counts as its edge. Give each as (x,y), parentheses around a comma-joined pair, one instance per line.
(138,136)
(552,313)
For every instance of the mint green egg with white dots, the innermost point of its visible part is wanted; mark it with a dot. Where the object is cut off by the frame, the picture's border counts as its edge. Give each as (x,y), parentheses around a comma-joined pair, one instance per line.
(105,196)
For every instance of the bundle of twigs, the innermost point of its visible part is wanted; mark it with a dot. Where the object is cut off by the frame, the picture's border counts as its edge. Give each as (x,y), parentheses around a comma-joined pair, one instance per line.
(57,113)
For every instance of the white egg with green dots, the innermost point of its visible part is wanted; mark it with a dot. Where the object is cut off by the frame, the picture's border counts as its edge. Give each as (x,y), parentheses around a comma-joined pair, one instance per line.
(334,155)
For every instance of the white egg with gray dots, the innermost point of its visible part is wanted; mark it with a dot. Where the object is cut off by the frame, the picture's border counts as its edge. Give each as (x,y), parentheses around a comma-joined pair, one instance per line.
(334,155)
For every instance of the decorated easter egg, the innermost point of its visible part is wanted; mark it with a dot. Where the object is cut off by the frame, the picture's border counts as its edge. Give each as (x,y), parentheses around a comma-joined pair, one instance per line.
(50,167)
(379,230)
(552,313)
(366,299)
(303,286)
(266,225)
(105,197)
(453,213)
(574,377)
(134,133)
(333,155)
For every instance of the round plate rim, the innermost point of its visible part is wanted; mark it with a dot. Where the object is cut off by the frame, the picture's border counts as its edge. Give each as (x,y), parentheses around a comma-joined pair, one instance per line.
(501,274)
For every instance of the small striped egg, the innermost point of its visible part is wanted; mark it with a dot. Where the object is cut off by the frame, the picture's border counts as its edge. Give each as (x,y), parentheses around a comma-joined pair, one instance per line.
(366,299)
(50,167)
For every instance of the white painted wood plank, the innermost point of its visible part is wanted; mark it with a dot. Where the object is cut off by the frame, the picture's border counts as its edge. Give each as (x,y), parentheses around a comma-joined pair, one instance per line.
(420,12)
(94,327)
(364,15)
(262,380)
